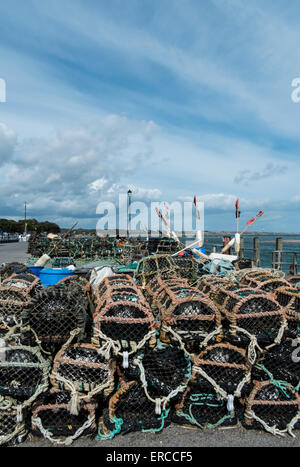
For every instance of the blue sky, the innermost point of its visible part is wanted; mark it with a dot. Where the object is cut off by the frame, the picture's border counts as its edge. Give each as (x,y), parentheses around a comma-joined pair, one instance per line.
(169,97)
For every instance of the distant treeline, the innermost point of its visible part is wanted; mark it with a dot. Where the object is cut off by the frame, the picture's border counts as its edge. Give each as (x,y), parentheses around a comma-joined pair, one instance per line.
(11,226)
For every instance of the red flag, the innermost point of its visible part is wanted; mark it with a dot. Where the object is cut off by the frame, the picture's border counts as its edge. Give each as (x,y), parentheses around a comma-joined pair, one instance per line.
(260,213)
(251,221)
(195,200)
(237,211)
(159,213)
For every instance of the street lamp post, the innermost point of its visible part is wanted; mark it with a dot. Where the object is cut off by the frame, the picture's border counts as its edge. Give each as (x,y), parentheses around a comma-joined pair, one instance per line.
(129,195)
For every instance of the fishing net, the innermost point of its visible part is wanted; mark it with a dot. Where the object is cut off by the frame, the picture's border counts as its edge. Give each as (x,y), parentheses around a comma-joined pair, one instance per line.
(84,372)
(289,300)
(257,319)
(154,288)
(167,369)
(209,284)
(24,371)
(131,410)
(152,266)
(56,312)
(9,269)
(13,426)
(280,365)
(52,419)
(221,375)
(168,246)
(187,317)
(203,409)
(294,281)
(123,322)
(11,301)
(272,408)
(187,267)
(267,284)
(243,263)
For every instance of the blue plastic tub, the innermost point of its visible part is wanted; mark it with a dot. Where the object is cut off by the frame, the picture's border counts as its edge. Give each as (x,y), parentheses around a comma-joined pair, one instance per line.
(35,269)
(52,276)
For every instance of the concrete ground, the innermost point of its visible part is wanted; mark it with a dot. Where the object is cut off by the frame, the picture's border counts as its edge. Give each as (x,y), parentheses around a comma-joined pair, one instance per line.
(172,436)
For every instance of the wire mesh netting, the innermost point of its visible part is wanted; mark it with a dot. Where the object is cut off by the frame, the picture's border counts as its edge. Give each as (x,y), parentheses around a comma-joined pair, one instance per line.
(56,312)
(52,419)
(13,426)
(289,299)
(152,266)
(84,372)
(131,410)
(272,408)
(187,317)
(123,321)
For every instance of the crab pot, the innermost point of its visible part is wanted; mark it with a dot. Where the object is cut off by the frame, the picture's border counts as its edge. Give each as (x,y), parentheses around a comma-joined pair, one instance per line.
(131,410)
(243,263)
(294,281)
(210,284)
(187,267)
(154,288)
(256,316)
(83,368)
(54,313)
(204,409)
(114,284)
(13,422)
(124,319)
(278,363)
(23,372)
(168,370)
(152,266)
(16,294)
(268,285)
(51,418)
(289,300)
(13,268)
(188,318)
(223,366)
(272,408)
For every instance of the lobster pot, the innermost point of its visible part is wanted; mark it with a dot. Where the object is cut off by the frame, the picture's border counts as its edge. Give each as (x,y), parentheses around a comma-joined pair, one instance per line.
(257,276)
(167,369)
(203,408)
(82,370)
(131,410)
(13,268)
(15,300)
(187,318)
(294,281)
(168,246)
(23,372)
(280,363)
(55,312)
(187,267)
(258,318)
(227,297)
(152,266)
(52,420)
(243,263)
(289,300)
(154,288)
(124,322)
(13,429)
(29,283)
(272,408)
(267,285)
(112,284)
(225,369)
(210,284)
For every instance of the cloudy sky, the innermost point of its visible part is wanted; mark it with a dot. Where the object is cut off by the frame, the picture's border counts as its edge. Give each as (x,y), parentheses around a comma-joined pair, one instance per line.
(171,98)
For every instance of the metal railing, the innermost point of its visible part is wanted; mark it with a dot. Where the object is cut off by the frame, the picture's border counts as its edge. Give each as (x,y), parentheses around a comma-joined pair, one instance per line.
(286,260)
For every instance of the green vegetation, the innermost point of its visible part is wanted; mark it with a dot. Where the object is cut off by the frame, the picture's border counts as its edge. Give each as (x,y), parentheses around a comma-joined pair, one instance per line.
(11,226)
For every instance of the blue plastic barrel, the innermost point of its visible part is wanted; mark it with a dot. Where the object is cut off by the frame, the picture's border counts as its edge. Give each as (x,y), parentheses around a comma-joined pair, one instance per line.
(35,269)
(52,276)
